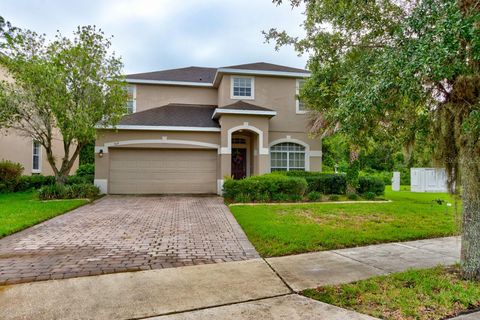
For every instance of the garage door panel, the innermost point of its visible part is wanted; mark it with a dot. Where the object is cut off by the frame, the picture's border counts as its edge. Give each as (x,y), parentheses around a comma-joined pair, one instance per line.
(162,171)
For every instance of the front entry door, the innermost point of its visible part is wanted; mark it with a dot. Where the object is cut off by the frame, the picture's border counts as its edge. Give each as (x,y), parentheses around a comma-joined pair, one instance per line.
(239,163)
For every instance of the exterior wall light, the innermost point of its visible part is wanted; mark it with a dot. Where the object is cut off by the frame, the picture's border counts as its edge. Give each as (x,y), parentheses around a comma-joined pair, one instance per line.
(100,153)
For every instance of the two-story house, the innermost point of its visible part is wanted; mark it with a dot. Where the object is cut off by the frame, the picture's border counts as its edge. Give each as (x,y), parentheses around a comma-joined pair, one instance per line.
(189,128)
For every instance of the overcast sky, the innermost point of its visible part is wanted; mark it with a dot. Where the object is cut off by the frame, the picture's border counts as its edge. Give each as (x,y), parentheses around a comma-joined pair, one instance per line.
(161,34)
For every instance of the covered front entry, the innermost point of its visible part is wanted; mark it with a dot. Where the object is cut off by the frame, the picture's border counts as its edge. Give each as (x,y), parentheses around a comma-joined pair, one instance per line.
(157,171)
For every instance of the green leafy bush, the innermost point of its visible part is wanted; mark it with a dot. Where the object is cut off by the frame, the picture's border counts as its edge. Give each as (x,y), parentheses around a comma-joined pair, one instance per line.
(10,174)
(34,182)
(264,188)
(371,184)
(79,179)
(325,183)
(369,195)
(314,196)
(57,191)
(87,169)
(352,196)
(334,197)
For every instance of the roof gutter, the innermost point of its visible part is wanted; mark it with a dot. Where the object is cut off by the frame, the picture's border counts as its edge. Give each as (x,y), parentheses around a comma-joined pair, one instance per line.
(158,128)
(171,83)
(220,111)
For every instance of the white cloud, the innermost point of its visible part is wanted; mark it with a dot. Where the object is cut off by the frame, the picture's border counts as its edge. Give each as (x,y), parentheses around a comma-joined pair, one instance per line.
(157,34)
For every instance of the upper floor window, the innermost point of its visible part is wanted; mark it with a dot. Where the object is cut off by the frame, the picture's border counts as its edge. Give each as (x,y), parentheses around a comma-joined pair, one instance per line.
(36,156)
(132,99)
(242,88)
(301,107)
(287,156)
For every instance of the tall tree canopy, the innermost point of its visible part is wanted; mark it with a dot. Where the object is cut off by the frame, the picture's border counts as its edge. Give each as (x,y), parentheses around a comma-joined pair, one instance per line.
(64,85)
(397,69)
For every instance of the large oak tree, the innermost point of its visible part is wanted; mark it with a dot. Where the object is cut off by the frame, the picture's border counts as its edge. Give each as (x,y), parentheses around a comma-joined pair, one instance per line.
(397,69)
(65,86)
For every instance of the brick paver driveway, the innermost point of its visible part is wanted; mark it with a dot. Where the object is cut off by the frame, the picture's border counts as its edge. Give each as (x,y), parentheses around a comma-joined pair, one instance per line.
(125,233)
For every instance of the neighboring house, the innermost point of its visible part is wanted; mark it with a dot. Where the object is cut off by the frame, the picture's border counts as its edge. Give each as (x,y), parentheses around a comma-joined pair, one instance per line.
(190,128)
(30,154)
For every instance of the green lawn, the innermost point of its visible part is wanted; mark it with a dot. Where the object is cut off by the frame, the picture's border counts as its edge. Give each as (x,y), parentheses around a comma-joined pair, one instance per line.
(277,230)
(22,210)
(417,294)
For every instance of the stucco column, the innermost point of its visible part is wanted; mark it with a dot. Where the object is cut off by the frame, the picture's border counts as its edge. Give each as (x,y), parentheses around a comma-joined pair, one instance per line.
(263,164)
(101,171)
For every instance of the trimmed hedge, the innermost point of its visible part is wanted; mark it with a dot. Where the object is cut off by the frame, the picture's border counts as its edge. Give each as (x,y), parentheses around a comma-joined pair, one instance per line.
(10,174)
(34,182)
(371,184)
(325,183)
(57,191)
(265,188)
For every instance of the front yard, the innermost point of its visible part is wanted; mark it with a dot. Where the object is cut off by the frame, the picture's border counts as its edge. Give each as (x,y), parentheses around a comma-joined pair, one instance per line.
(23,209)
(416,294)
(277,230)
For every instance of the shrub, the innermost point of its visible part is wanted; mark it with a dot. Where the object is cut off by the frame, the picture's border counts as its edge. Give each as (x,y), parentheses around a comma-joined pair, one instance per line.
(265,187)
(262,197)
(34,182)
(280,197)
(87,169)
(57,191)
(334,197)
(10,174)
(325,183)
(242,198)
(369,195)
(352,196)
(314,196)
(54,191)
(79,179)
(370,184)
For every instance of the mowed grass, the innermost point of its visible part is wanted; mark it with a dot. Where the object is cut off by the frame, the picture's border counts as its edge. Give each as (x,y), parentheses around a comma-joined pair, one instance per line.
(417,294)
(22,210)
(277,230)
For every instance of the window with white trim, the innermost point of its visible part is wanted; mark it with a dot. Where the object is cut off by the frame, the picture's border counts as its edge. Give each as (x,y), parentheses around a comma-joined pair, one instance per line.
(132,99)
(301,107)
(287,156)
(36,154)
(242,88)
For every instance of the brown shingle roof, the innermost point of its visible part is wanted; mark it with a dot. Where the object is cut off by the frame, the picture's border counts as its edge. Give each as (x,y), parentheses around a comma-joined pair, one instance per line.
(189,74)
(206,75)
(174,114)
(263,66)
(242,105)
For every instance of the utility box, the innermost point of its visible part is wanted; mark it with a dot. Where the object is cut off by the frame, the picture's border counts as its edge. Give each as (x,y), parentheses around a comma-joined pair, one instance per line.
(396,181)
(428,180)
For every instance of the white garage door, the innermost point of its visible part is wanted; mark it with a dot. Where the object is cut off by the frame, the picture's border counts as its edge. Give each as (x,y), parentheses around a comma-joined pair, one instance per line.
(154,171)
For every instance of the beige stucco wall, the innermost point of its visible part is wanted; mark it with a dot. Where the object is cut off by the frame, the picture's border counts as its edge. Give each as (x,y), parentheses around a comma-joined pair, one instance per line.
(275,93)
(153,96)
(17,148)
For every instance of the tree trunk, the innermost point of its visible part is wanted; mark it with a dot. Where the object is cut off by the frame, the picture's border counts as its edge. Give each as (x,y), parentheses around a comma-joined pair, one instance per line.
(470,254)
(67,164)
(352,171)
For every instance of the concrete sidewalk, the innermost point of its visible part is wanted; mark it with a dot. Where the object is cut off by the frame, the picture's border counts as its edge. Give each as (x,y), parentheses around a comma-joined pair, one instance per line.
(242,290)
(311,270)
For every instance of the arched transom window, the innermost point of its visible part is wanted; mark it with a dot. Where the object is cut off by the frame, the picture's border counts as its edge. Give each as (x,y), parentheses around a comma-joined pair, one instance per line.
(287,156)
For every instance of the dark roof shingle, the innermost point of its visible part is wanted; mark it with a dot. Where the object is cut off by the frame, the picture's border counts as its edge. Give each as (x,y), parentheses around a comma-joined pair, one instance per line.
(189,74)
(263,66)
(206,75)
(174,114)
(242,105)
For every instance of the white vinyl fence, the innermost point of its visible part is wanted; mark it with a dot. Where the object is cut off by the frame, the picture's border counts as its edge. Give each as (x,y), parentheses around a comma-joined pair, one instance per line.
(428,180)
